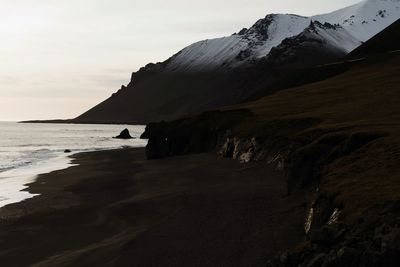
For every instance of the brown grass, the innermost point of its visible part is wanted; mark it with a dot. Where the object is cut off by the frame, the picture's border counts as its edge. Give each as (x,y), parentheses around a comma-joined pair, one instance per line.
(363,100)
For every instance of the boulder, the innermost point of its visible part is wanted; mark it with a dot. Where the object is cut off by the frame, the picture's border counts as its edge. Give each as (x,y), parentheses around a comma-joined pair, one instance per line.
(124,135)
(67,151)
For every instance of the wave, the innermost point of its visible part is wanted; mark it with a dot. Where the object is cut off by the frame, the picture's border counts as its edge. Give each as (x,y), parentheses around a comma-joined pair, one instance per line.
(27,150)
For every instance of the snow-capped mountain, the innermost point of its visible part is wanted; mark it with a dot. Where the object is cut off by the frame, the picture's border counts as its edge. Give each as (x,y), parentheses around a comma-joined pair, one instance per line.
(240,48)
(278,52)
(358,24)
(317,41)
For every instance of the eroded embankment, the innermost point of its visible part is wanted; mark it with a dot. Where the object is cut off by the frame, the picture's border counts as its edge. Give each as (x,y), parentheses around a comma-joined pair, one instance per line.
(308,153)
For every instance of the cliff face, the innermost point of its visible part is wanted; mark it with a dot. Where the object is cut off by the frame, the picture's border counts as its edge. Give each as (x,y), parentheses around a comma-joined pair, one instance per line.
(337,142)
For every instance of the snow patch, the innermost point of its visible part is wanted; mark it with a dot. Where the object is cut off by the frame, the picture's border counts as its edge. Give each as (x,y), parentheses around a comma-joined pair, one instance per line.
(339,37)
(365,19)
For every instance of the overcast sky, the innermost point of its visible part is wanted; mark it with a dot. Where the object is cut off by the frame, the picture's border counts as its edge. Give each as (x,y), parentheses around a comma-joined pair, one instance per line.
(59,58)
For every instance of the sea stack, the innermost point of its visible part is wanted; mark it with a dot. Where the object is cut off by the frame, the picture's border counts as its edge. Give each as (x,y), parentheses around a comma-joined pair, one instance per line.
(124,135)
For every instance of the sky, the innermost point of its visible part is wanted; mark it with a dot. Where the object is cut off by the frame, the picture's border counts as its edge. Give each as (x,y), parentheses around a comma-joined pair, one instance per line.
(60,58)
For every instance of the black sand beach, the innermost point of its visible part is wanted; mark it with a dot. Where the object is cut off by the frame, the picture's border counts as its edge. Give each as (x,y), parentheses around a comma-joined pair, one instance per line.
(118,209)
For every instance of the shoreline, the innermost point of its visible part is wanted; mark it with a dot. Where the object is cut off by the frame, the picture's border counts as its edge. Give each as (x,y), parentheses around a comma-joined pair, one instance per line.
(18,179)
(32,149)
(116,208)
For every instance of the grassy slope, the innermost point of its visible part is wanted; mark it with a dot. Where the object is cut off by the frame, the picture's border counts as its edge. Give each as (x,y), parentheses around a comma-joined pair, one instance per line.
(365,99)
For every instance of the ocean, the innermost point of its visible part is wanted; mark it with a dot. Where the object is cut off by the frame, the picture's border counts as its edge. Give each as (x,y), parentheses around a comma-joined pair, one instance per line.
(27,150)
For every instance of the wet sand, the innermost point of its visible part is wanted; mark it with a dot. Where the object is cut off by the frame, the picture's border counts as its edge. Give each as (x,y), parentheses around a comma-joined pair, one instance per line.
(118,209)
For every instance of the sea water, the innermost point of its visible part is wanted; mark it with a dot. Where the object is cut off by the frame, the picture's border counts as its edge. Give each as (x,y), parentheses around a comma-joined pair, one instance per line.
(29,149)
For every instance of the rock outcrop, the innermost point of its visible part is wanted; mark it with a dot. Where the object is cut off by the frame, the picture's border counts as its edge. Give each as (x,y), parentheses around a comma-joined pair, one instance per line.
(373,240)
(124,135)
(202,133)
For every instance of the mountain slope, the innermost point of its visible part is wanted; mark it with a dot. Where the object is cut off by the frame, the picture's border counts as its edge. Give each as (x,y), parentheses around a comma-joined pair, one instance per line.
(327,41)
(248,45)
(213,73)
(387,40)
(365,19)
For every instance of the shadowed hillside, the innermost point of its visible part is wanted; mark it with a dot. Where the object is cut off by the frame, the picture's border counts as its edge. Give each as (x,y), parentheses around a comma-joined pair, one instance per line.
(337,140)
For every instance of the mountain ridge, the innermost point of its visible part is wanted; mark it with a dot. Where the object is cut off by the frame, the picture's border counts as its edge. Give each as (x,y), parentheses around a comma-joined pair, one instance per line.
(213,73)
(362,21)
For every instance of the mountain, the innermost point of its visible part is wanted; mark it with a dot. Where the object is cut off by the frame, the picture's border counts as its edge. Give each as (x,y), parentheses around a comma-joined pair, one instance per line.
(224,71)
(361,21)
(338,143)
(245,47)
